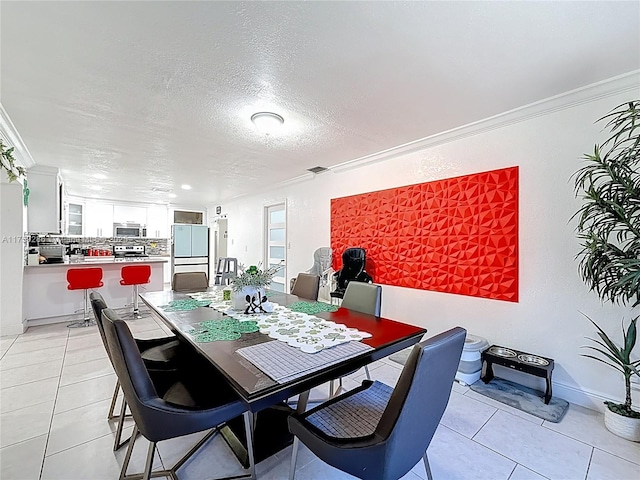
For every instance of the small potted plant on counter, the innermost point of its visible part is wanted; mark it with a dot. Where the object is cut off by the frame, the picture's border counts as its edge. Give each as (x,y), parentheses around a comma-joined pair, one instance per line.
(609,233)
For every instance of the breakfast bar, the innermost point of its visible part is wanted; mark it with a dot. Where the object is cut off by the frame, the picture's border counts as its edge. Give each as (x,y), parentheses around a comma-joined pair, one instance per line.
(46,298)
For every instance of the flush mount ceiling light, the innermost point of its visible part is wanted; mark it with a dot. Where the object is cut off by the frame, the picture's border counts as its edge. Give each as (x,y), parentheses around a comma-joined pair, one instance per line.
(100,176)
(267,122)
(186,187)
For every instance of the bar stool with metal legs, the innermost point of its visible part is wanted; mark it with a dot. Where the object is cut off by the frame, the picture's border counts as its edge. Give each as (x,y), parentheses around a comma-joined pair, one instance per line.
(135,275)
(84,279)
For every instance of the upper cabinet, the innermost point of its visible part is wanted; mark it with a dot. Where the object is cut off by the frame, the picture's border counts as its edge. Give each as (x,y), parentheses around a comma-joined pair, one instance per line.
(44,212)
(75,218)
(157,221)
(129,214)
(98,219)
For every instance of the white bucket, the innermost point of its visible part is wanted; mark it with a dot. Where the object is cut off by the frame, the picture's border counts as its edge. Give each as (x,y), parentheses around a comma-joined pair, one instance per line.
(470,364)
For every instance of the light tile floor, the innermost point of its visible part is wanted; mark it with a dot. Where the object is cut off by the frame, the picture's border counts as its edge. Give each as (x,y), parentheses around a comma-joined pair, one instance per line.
(56,384)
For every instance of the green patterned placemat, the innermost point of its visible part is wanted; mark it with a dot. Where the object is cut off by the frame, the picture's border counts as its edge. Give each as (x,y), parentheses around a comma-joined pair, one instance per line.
(311,308)
(224,329)
(184,305)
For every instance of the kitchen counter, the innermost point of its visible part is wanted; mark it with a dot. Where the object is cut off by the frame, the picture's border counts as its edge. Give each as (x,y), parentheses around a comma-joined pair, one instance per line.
(101,261)
(46,298)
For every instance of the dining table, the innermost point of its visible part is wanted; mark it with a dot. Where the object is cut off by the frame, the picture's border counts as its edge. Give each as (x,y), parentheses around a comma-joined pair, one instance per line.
(265,396)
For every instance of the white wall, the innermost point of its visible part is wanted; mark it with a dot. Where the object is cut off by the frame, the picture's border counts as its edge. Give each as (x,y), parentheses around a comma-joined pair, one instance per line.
(11,257)
(546,141)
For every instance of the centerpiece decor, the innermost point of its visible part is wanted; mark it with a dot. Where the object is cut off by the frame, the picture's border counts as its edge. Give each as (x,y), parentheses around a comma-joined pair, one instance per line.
(249,288)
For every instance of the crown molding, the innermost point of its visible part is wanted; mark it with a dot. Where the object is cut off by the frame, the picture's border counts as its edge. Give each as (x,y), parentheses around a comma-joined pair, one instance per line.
(612,86)
(11,136)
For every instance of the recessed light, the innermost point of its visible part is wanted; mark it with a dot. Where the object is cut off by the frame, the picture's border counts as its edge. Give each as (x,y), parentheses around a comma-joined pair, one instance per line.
(267,122)
(99,176)
(172,195)
(185,187)
(95,187)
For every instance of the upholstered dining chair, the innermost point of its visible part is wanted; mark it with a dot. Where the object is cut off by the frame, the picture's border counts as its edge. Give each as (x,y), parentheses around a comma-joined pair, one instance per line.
(306,286)
(376,432)
(190,282)
(364,298)
(158,354)
(187,406)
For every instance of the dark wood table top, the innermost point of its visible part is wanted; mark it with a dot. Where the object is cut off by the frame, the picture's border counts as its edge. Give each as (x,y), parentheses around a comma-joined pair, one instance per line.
(254,386)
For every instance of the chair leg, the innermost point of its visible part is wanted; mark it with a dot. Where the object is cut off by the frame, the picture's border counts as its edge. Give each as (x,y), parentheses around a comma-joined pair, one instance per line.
(148,466)
(86,320)
(117,444)
(294,458)
(127,457)
(366,370)
(136,310)
(427,468)
(113,401)
(248,427)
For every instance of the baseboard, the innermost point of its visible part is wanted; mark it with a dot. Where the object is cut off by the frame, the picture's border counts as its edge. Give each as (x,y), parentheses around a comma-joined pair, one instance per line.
(76,317)
(15,329)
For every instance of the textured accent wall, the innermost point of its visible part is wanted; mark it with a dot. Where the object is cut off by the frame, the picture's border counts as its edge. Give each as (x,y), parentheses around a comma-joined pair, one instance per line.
(458,235)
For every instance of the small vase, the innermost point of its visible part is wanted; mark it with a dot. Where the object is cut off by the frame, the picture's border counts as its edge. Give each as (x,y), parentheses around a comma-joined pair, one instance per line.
(240,298)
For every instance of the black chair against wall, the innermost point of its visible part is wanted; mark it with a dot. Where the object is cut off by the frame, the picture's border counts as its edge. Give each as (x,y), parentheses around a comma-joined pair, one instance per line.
(187,406)
(365,298)
(375,432)
(190,282)
(353,270)
(158,354)
(306,286)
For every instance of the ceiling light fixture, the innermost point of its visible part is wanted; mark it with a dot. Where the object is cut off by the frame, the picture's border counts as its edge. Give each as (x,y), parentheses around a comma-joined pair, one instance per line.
(95,187)
(100,176)
(267,122)
(172,195)
(185,187)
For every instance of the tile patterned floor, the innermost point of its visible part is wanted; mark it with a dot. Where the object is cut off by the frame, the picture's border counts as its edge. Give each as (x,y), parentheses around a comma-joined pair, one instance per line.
(56,384)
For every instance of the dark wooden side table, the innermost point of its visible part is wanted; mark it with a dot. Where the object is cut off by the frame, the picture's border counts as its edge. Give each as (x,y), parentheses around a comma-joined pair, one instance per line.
(517,360)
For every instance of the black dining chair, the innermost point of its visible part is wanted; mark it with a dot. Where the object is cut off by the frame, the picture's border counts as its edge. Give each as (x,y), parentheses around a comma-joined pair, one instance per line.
(199,399)
(306,286)
(354,260)
(376,432)
(158,354)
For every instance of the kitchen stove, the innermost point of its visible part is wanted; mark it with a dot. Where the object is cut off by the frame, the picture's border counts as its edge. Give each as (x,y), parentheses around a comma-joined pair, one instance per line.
(129,251)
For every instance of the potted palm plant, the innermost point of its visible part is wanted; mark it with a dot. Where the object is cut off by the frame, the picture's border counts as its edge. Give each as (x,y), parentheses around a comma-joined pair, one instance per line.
(609,233)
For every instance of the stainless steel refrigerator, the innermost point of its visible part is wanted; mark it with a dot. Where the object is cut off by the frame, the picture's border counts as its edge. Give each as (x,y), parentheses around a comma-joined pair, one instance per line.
(189,248)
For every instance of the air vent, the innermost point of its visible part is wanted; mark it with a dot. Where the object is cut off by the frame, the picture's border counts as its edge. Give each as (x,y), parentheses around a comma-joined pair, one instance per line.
(317,169)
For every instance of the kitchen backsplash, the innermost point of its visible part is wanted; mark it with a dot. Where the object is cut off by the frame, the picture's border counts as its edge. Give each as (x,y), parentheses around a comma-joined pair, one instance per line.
(153,246)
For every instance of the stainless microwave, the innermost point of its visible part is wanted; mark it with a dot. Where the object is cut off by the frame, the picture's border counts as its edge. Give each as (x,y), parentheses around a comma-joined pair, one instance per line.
(129,231)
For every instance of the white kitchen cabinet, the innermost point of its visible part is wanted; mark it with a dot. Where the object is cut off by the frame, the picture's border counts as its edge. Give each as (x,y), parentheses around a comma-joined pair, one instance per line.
(44,212)
(157,221)
(129,214)
(75,218)
(98,219)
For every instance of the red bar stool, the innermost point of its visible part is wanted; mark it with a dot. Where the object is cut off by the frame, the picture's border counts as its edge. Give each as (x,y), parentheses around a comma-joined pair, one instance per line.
(135,275)
(84,279)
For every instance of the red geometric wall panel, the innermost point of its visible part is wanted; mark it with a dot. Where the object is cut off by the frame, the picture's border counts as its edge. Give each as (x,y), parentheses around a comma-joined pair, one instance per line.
(458,235)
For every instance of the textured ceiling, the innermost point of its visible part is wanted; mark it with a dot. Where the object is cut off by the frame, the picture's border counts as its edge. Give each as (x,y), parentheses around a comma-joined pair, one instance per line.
(157,94)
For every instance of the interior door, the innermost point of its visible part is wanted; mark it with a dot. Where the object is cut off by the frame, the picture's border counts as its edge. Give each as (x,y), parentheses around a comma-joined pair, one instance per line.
(276,244)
